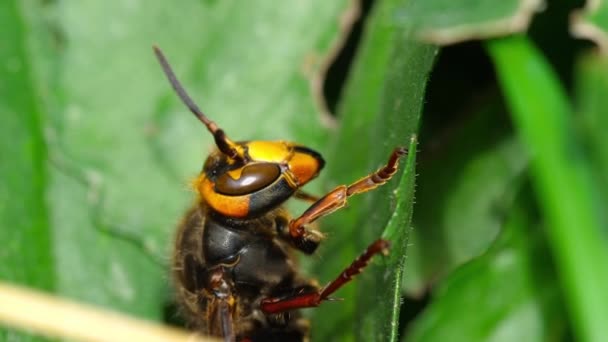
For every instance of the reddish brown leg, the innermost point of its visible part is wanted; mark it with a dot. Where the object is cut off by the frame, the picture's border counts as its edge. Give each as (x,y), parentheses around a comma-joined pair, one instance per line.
(307,300)
(308,240)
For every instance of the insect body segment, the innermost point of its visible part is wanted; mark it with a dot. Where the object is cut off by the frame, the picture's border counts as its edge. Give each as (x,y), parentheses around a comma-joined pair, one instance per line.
(234,265)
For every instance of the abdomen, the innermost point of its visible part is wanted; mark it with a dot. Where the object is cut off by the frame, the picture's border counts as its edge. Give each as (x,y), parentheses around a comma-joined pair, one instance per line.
(257,261)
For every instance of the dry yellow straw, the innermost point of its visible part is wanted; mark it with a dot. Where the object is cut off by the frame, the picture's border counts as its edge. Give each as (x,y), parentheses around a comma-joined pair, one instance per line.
(51,316)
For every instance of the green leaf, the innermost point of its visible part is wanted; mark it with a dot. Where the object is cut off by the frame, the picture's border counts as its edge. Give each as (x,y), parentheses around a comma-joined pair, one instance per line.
(463,193)
(592,23)
(508,294)
(380,110)
(121,147)
(26,255)
(562,174)
(125,148)
(23,211)
(452,21)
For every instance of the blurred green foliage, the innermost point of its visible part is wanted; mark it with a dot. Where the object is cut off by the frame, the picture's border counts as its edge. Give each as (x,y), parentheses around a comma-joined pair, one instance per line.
(509,209)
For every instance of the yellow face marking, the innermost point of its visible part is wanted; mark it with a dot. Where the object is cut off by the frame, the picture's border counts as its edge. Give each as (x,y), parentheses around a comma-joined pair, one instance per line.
(269,151)
(236,173)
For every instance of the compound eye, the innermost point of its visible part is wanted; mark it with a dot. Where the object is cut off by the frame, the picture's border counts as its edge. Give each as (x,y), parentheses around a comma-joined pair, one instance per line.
(253,178)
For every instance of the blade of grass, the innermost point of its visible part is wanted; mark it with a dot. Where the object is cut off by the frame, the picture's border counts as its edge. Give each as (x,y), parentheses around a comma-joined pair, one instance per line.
(55,317)
(562,179)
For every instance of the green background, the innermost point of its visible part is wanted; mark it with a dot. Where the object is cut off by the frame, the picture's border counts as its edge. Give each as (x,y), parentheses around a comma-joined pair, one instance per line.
(506,176)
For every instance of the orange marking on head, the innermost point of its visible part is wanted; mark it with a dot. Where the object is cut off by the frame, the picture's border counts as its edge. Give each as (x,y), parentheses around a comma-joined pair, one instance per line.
(304,167)
(233,206)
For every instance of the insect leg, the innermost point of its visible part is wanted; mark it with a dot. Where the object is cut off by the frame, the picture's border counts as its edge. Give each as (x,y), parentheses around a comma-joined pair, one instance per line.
(305,196)
(308,240)
(313,299)
(224,305)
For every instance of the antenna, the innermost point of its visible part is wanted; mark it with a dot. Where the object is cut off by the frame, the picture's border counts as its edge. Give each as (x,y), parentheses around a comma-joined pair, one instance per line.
(227,146)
